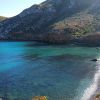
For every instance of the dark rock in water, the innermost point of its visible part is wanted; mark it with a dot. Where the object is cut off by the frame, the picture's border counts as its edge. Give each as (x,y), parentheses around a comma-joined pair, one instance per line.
(94,60)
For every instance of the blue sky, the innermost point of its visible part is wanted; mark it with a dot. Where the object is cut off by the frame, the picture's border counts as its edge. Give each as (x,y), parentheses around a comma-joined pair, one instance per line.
(11,8)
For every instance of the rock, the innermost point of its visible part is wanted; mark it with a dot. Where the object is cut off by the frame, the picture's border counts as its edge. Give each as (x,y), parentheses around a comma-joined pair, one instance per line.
(97,97)
(40,98)
(94,60)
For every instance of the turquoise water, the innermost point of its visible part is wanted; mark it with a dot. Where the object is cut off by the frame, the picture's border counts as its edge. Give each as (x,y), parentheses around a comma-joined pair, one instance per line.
(59,72)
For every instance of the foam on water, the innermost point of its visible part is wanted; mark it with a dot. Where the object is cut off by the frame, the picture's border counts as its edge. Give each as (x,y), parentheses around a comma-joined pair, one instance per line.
(93,87)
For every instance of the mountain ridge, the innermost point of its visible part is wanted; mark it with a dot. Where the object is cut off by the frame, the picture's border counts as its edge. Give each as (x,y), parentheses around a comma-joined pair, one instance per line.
(54,21)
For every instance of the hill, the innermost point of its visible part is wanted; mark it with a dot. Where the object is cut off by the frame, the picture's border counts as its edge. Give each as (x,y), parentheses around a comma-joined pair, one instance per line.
(55,21)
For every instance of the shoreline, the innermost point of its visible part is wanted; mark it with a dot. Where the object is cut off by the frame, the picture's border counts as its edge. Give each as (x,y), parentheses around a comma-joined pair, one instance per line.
(80,44)
(94,88)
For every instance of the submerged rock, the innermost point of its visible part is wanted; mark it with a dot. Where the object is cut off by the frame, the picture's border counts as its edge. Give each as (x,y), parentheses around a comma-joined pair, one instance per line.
(3,98)
(39,98)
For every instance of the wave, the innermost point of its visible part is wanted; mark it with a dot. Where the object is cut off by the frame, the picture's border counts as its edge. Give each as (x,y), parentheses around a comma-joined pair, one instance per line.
(90,91)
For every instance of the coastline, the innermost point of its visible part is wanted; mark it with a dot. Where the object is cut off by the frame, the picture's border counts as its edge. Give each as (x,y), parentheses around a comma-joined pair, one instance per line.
(94,88)
(80,44)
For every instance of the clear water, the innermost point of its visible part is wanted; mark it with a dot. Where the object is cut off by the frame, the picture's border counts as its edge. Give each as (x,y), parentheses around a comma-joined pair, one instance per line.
(59,72)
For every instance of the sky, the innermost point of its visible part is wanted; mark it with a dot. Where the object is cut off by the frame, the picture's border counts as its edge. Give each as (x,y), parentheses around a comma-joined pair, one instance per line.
(9,8)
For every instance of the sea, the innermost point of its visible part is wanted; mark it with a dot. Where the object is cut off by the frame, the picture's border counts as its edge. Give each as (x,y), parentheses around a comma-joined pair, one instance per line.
(59,72)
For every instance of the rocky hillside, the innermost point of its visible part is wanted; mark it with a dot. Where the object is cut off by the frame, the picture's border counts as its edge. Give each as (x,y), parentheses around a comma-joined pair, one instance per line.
(2,18)
(54,21)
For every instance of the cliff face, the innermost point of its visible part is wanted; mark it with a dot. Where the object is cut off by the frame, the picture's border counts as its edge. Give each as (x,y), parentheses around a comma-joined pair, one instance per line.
(53,21)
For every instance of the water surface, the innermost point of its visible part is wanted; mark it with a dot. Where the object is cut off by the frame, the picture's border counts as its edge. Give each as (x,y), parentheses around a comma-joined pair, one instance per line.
(59,72)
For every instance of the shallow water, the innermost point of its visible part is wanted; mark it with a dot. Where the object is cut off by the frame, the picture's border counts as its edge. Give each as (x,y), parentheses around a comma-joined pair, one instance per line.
(59,72)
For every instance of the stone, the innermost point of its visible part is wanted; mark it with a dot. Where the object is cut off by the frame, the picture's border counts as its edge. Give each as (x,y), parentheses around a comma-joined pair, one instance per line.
(40,98)
(94,60)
